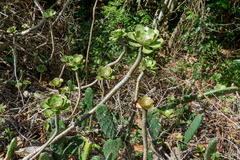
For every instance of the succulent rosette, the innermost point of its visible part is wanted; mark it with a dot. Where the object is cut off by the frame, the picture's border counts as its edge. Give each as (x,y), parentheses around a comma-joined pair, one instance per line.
(74,62)
(55,104)
(146,103)
(104,73)
(146,38)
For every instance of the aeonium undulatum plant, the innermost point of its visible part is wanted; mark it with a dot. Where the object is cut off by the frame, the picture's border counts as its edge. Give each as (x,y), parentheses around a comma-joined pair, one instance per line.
(104,73)
(74,62)
(49,13)
(56,82)
(149,64)
(55,104)
(146,38)
(146,103)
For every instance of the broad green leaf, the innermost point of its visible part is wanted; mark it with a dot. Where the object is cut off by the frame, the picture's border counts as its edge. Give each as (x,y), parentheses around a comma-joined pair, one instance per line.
(49,113)
(138,34)
(140,28)
(41,68)
(111,147)
(147,51)
(44,104)
(146,103)
(49,13)
(151,33)
(26,82)
(135,44)
(55,101)
(56,82)
(74,68)
(105,120)
(66,106)
(131,36)
(155,46)
(64,59)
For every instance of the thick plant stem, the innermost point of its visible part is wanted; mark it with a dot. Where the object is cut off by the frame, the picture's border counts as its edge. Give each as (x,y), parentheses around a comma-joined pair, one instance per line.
(108,96)
(79,93)
(35,154)
(90,38)
(137,86)
(144,134)
(210,94)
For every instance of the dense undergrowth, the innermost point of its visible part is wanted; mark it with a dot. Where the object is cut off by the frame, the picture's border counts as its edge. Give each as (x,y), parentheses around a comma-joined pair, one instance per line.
(192,79)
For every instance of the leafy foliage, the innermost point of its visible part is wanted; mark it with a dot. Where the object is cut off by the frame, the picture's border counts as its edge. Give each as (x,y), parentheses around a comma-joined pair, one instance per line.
(49,13)
(192,129)
(111,147)
(41,68)
(154,125)
(72,146)
(146,103)
(11,149)
(89,98)
(211,148)
(45,156)
(58,146)
(74,62)
(55,104)
(146,38)
(149,64)
(119,33)
(56,82)
(105,120)
(104,73)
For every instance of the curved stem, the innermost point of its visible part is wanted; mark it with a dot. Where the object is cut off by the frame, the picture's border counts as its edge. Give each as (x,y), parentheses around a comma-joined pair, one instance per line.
(62,71)
(210,94)
(121,55)
(35,154)
(79,93)
(89,85)
(137,86)
(108,96)
(90,37)
(53,44)
(144,134)
(103,88)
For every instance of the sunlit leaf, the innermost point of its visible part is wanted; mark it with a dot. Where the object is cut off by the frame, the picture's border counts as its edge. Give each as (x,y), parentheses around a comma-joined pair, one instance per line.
(135,44)
(140,28)
(147,51)
(49,13)
(131,36)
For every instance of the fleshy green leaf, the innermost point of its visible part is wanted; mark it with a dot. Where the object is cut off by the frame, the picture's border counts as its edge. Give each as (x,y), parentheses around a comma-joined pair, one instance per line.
(155,46)
(140,28)
(41,68)
(64,58)
(56,82)
(105,120)
(147,51)
(49,13)
(146,103)
(151,33)
(49,113)
(55,101)
(131,36)
(111,147)
(44,104)
(135,44)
